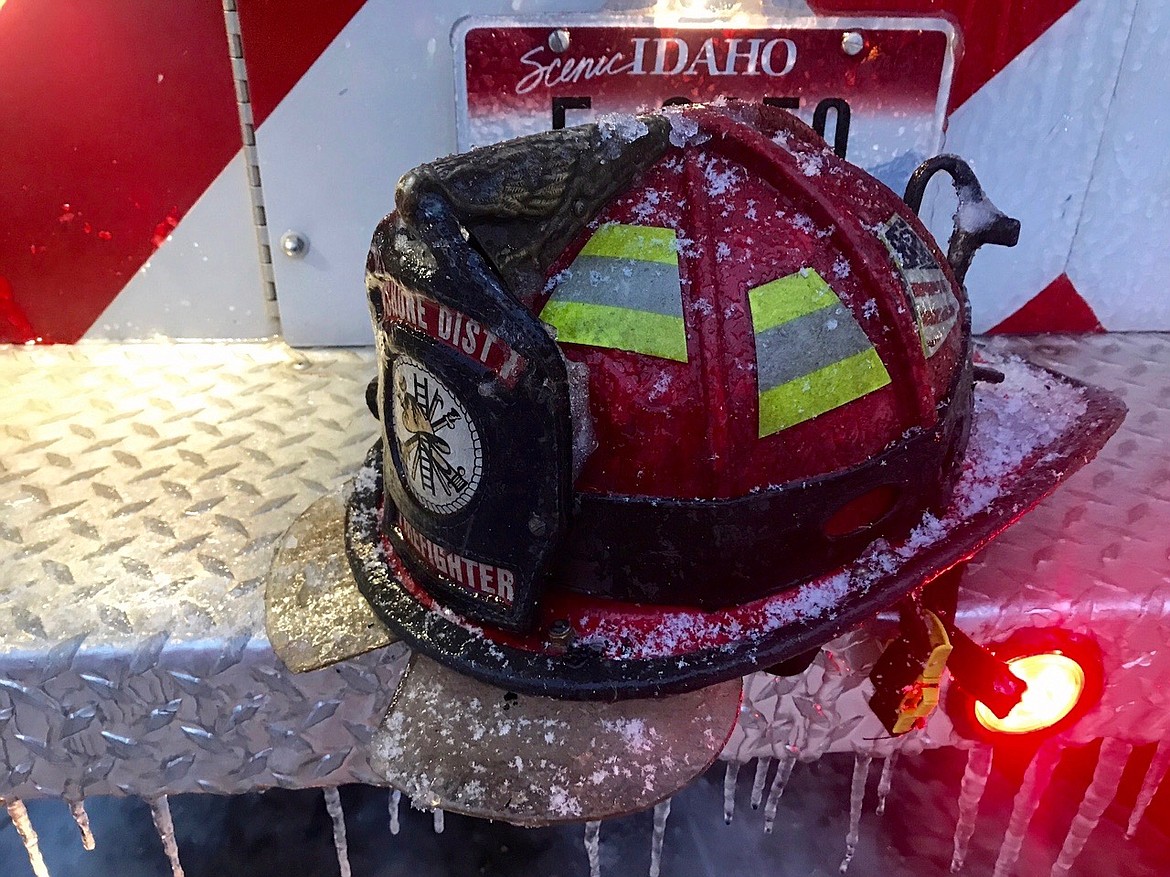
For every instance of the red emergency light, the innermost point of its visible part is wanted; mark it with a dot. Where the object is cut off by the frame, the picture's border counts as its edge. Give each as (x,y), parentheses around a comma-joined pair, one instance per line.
(1055,685)
(1065,677)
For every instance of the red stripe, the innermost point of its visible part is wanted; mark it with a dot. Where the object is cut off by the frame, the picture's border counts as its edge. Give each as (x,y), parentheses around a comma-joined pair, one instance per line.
(116,116)
(1058,308)
(282,39)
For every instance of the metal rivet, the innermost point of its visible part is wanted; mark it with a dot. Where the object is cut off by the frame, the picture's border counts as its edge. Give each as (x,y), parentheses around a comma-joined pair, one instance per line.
(560,635)
(558,40)
(294,244)
(852,42)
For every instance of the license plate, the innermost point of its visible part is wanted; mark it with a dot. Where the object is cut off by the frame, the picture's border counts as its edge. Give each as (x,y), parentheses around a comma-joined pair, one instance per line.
(875,88)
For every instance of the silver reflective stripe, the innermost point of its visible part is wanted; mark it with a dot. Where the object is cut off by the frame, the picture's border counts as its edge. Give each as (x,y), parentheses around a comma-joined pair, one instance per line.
(622,283)
(806,344)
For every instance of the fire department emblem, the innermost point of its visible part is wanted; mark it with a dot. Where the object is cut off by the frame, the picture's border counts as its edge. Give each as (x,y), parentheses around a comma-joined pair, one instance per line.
(438,442)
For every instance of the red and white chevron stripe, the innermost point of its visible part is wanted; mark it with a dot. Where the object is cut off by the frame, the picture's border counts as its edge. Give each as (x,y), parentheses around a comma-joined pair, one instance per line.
(130,204)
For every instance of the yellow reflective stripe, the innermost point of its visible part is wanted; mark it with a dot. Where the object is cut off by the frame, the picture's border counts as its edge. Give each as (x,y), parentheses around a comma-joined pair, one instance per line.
(620,328)
(640,243)
(822,390)
(783,300)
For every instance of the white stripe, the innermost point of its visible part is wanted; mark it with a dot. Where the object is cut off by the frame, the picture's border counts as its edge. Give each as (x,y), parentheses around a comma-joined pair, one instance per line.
(1031,135)
(1118,260)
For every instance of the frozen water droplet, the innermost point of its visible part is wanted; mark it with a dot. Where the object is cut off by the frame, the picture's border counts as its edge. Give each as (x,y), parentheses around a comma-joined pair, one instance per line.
(1024,806)
(333,806)
(395,799)
(160,812)
(970,794)
(762,765)
(28,835)
(1153,779)
(77,808)
(856,799)
(776,790)
(729,780)
(593,847)
(661,812)
(438,817)
(1110,765)
(886,780)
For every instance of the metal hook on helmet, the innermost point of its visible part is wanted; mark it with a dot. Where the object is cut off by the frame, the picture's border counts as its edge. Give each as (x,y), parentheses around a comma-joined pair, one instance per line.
(977,220)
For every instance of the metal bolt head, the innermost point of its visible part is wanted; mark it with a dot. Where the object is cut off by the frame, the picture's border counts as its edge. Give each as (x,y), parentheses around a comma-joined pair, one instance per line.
(294,244)
(852,43)
(558,40)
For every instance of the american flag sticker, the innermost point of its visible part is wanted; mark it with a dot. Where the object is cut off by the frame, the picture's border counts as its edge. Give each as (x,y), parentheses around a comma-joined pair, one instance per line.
(935,307)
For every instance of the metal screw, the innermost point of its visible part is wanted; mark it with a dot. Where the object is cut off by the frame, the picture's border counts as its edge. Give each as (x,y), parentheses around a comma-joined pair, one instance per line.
(294,244)
(852,42)
(558,40)
(537,526)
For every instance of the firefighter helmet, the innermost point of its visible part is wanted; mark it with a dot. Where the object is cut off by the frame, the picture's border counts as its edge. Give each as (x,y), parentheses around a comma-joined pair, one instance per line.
(644,386)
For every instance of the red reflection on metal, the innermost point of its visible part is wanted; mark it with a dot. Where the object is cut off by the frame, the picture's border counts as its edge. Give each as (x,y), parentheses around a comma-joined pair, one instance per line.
(14,325)
(163,230)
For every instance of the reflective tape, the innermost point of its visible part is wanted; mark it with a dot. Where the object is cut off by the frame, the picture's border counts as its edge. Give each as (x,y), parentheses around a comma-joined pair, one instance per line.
(639,243)
(811,354)
(623,291)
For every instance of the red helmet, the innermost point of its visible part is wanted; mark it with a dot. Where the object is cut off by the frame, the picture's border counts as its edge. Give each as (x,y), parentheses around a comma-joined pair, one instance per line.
(761,365)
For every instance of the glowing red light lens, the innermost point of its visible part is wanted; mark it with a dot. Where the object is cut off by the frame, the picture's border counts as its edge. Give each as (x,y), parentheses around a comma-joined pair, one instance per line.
(1055,684)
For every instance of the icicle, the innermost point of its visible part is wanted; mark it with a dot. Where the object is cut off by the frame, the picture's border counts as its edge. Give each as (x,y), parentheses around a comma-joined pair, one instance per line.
(887,780)
(23,825)
(729,780)
(1024,806)
(395,798)
(1153,779)
(160,812)
(762,765)
(856,799)
(661,812)
(77,808)
(779,781)
(970,794)
(1110,765)
(438,817)
(333,806)
(593,847)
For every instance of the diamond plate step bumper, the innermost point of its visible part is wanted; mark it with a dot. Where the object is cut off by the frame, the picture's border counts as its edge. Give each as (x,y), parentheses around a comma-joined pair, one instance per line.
(144,490)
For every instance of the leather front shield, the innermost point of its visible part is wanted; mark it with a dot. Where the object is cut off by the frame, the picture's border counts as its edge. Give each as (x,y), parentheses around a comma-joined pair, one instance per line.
(474,403)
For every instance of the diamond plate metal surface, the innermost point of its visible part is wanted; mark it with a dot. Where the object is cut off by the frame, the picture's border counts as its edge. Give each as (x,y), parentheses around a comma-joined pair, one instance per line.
(144,488)
(143,491)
